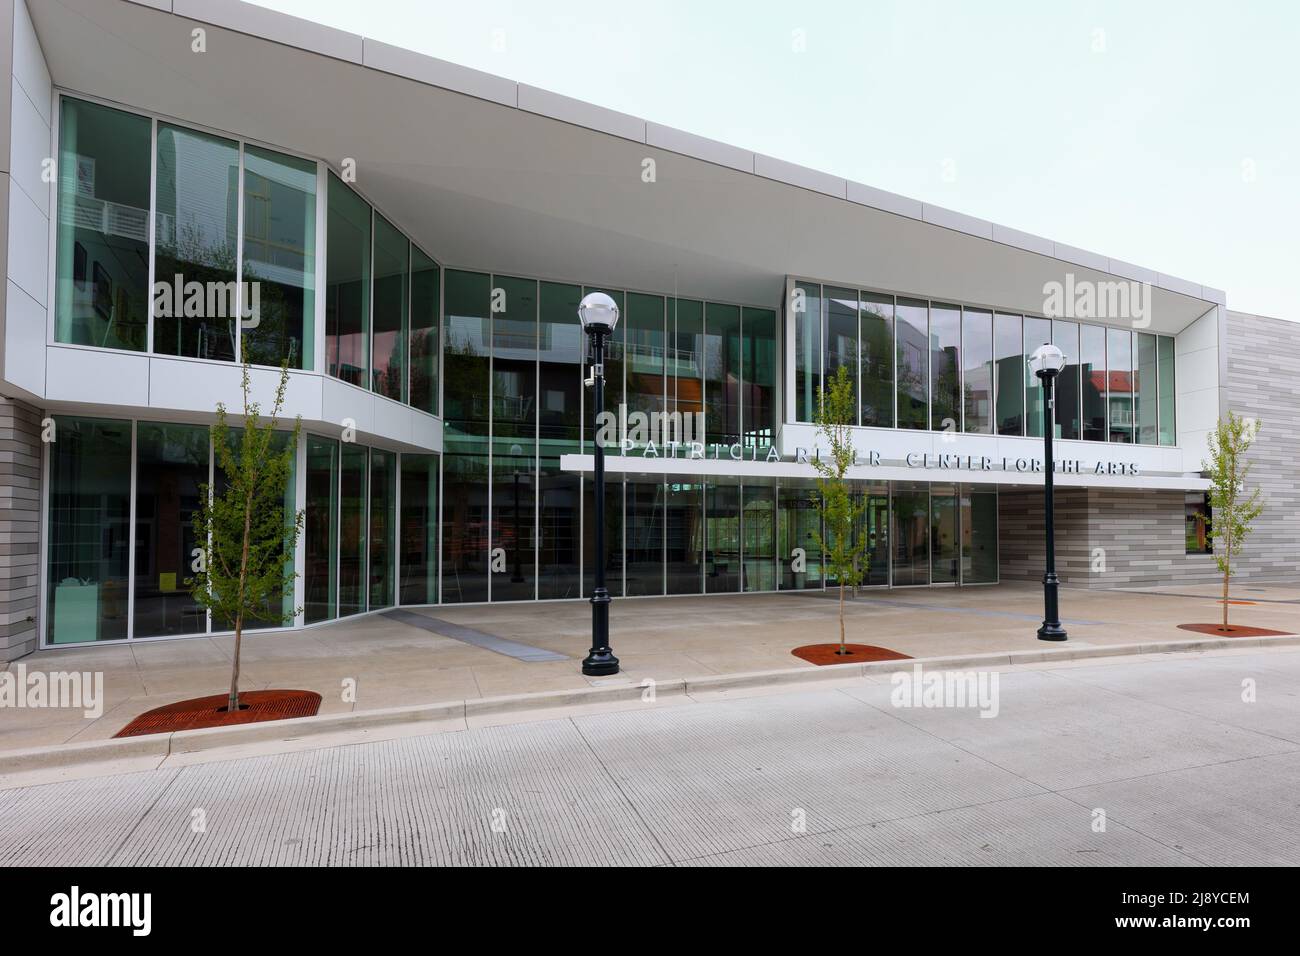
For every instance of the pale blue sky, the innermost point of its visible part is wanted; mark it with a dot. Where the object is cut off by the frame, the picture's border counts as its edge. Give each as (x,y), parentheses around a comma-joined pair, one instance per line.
(1163,133)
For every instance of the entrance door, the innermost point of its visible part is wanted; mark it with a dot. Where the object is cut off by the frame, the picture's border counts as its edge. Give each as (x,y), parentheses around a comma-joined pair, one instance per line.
(911,534)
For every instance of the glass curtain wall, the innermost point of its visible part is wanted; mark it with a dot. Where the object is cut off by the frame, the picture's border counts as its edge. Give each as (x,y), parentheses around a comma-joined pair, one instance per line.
(1008,354)
(279,263)
(840,312)
(320,531)
(1037,332)
(1145,389)
(722,537)
(876,345)
(172,464)
(354,516)
(419,530)
(1065,336)
(913,363)
(514,444)
(347,285)
(684,537)
(645,536)
(911,534)
(686,364)
(722,373)
(758,522)
(798,526)
(101,291)
(425,307)
(1092,364)
(758,375)
(945,368)
(560,351)
(945,545)
(977,364)
(383,514)
(467,367)
(806,306)
(196,241)
(391,311)
(1120,390)
(979,535)
(1165,371)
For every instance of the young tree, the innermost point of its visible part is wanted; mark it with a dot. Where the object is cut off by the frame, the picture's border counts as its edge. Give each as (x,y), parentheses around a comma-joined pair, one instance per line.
(246,534)
(1233,511)
(844,552)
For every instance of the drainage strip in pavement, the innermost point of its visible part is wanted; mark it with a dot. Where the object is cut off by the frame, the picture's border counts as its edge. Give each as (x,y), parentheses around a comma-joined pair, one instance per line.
(467,635)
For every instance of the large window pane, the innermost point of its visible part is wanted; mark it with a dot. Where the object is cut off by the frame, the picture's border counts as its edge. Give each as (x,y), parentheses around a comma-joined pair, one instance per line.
(944,543)
(913,364)
(1037,332)
(977,362)
(354,480)
(759,377)
(1092,350)
(383,513)
(279,271)
(945,367)
(800,524)
(645,354)
(466,390)
(686,363)
(1145,389)
(560,352)
(876,521)
(419,532)
(806,305)
(759,523)
(196,228)
(391,311)
(1065,336)
(320,531)
(172,463)
(979,536)
(645,537)
(911,533)
(722,372)
(1008,350)
(424,332)
(840,308)
(514,413)
(876,344)
(1168,403)
(1119,377)
(347,285)
(685,538)
(89,530)
(101,290)
(722,542)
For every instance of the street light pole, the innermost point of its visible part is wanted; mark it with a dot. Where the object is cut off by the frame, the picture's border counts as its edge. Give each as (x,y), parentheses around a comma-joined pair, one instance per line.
(599,316)
(1046,363)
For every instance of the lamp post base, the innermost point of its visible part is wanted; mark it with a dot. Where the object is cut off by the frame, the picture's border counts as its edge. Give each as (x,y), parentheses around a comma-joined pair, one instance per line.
(600,660)
(1052,632)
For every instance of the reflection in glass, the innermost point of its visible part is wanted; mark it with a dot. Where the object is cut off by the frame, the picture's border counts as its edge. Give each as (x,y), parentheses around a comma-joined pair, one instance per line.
(419,534)
(759,377)
(945,367)
(912,349)
(424,332)
(876,526)
(1165,360)
(979,536)
(1065,336)
(514,425)
(944,543)
(684,521)
(561,346)
(876,337)
(840,311)
(977,358)
(759,523)
(1009,356)
(101,288)
(1092,351)
(801,555)
(383,511)
(806,305)
(645,537)
(279,267)
(391,311)
(196,242)
(1037,332)
(645,354)
(722,538)
(1119,375)
(1145,389)
(686,363)
(89,529)
(172,462)
(347,285)
(911,534)
(354,477)
(320,530)
(722,373)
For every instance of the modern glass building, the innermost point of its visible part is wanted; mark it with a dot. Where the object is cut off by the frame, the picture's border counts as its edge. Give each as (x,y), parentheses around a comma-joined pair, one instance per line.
(271,195)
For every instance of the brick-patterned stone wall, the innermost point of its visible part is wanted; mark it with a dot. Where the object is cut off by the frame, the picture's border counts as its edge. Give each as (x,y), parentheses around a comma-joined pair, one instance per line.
(1139,532)
(20,522)
(1264,383)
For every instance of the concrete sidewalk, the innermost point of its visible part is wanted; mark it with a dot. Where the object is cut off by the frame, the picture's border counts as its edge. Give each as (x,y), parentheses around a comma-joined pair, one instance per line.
(390,663)
(1166,753)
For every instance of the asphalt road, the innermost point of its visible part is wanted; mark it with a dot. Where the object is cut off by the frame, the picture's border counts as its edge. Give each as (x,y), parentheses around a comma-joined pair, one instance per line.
(1127,761)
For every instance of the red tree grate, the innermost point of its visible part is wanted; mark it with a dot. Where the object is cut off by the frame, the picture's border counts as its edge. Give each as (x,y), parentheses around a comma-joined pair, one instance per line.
(258,705)
(1234,630)
(857,654)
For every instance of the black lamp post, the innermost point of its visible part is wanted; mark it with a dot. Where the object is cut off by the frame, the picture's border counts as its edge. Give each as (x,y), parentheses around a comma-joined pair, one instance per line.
(599,315)
(1046,362)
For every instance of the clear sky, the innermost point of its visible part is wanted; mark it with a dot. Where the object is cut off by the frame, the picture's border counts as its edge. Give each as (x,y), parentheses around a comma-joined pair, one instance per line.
(1163,133)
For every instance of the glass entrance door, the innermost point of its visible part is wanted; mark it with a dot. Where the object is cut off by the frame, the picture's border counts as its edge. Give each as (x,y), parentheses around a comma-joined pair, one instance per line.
(911,534)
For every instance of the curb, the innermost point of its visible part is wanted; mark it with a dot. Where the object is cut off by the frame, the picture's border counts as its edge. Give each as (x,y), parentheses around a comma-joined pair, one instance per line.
(161,746)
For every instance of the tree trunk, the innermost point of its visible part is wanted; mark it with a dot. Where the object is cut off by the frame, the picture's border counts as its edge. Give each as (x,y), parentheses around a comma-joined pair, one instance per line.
(843,648)
(232,703)
(1227,572)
